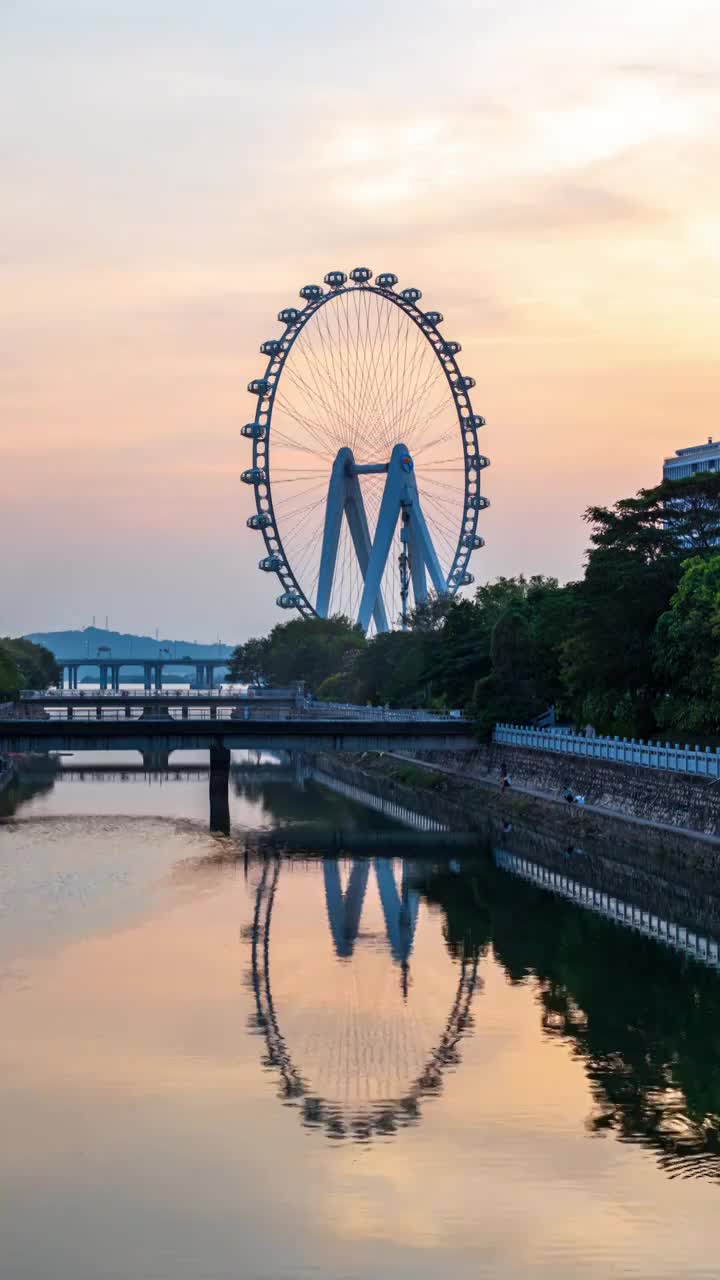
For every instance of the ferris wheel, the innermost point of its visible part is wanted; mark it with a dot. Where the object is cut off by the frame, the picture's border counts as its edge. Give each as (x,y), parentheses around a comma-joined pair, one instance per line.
(365,459)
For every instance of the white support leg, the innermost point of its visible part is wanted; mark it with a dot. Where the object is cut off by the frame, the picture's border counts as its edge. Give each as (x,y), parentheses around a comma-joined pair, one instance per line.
(360,534)
(386,525)
(345,499)
(331,533)
(422,536)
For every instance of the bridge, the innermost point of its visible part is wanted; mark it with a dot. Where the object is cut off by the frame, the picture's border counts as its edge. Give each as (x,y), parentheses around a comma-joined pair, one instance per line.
(313,735)
(113,704)
(157,726)
(151,668)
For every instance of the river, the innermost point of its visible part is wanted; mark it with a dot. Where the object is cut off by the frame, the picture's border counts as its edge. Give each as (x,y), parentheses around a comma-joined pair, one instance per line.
(347,1040)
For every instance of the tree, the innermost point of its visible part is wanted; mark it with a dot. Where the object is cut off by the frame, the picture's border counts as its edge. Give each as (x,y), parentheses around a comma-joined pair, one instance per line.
(37,665)
(248,660)
(10,679)
(309,649)
(686,648)
(633,568)
(390,670)
(520,629)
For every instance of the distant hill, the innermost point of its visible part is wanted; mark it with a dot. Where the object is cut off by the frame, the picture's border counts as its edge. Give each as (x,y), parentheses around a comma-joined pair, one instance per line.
(86,642)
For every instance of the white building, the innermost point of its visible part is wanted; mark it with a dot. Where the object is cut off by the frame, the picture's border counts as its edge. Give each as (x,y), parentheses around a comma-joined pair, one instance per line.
(687,462)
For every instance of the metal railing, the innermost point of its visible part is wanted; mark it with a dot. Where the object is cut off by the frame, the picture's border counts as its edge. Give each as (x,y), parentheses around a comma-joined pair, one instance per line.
(278,703)
(348,711)
(122,695)
(648,755)
(310,711)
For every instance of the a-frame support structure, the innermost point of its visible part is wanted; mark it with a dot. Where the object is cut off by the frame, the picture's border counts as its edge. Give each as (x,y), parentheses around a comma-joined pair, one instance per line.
(400,501)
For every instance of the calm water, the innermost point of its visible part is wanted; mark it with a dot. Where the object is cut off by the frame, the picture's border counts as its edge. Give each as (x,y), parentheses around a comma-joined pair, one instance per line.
(338,1044)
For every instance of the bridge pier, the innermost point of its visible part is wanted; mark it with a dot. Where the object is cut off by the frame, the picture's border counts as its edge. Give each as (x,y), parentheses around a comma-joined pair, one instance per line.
(220,788)
(147,676)
(156,761)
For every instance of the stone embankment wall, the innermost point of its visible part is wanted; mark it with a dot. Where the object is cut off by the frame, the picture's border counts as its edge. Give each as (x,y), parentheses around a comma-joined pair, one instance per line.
(653,795)
(7,772)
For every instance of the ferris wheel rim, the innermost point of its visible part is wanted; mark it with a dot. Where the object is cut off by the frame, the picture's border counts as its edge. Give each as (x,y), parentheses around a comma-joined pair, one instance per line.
(261,441)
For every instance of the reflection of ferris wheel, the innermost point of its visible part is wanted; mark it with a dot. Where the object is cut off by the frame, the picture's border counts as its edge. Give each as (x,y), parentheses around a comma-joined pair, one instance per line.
(363,424)
(379,1090)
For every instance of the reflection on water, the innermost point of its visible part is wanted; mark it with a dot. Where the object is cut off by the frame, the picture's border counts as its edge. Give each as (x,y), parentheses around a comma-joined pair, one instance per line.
(347,1039)
(378,1057)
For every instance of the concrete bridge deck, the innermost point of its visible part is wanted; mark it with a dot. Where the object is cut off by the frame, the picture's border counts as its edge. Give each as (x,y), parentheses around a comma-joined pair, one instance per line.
(167,734)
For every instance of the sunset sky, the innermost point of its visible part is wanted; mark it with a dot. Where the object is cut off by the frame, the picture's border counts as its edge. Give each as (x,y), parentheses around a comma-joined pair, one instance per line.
(173,173)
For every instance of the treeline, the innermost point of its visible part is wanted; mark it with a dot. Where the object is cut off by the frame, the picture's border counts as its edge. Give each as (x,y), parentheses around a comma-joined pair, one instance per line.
(24,665)
(633,648)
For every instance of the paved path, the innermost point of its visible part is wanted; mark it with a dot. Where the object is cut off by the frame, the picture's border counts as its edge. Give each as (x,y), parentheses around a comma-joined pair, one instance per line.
(549,797)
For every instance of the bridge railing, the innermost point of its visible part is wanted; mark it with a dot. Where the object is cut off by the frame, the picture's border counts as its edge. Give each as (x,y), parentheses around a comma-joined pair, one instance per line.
(246,711)
(348,711)
(648,755)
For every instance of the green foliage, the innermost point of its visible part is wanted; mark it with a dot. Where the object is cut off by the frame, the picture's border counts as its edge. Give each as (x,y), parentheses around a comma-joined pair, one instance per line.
(35,664)
(526,625)
(309,649)
(10,679)
(248,660)
(390,670)
(686,649)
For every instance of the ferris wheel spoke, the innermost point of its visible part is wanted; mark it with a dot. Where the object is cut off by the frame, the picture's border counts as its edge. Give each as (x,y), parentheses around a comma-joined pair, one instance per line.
(398,389)
(363,416)
(388,369)
(412,374)
(415,365)
(317,366)
(332,414)
(324,376)
(306,508)
(423,379)
(339,373)
(431,444)
(292,446)
(351,366)
(317,430)
(342,409)
(378,404)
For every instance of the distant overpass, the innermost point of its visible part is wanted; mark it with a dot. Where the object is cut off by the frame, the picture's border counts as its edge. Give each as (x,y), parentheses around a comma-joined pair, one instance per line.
(151,668)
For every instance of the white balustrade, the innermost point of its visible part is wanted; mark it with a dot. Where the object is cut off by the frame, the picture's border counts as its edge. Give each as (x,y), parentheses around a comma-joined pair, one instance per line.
(648,755)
